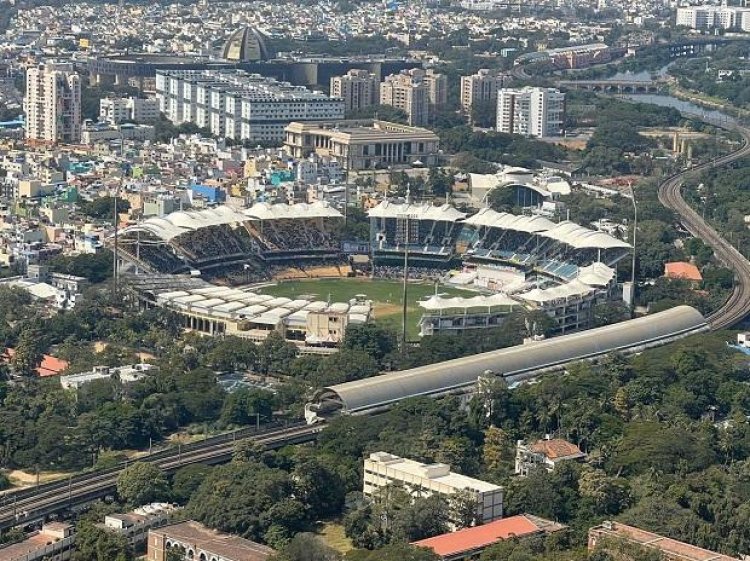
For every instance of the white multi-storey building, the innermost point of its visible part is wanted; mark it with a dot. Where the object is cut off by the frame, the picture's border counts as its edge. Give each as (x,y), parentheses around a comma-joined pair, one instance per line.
(122,109)
(358,89)
(537,112)
(53,103)
(709,17)
(239,105)
(383,469)
(481,87)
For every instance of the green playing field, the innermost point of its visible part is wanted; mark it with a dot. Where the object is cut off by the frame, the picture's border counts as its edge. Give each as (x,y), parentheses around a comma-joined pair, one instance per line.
(386,296)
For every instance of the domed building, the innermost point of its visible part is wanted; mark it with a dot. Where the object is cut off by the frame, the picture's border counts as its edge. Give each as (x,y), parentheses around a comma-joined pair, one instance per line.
(245,45)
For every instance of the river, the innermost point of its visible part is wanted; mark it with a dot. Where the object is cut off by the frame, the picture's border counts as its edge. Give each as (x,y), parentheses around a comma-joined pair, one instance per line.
(687,107)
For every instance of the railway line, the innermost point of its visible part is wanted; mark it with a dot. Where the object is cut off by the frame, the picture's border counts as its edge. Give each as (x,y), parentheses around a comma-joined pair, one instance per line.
(28,506)
(737,306)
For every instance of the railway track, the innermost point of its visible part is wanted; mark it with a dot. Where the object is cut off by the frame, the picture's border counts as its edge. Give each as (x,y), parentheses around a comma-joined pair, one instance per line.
(737,306)
(26,507)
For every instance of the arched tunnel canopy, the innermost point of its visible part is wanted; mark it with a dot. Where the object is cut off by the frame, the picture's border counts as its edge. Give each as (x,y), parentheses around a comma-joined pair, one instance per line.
(444,377)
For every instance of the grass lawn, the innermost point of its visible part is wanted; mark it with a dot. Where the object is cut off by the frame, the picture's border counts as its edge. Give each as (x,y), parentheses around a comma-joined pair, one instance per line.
(385,295)
(333,534)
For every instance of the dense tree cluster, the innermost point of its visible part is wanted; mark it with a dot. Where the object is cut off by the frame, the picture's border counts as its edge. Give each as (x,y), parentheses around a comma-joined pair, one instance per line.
(721,195)
(104,207)
(499,147)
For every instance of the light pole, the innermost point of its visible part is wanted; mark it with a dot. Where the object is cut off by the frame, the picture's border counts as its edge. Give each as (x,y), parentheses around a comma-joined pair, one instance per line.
(635,234)
(406,280)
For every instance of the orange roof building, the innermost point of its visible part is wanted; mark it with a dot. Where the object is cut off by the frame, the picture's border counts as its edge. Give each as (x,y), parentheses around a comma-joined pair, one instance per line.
(50,366)
(683,271)
(671,550)
(545,453)
(471,541)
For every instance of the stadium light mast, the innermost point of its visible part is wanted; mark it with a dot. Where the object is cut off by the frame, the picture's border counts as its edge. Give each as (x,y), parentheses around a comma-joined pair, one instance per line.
(116,247)
(407,227)
(635,234)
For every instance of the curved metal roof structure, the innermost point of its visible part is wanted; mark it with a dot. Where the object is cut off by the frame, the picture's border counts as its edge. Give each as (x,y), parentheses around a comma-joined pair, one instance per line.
(514,363)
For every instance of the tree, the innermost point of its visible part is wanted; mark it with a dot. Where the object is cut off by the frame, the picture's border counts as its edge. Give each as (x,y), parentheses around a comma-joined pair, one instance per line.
(94,543)
(142,483)
(233,353)
(319,487)
(248,450)
(494,451)
(463,507)
(247,498)
(28,353)
(186,481)
(345,366)
(103,207)
(484,114)
(306,547)
(276,355)
(610,495)
(376,340)
(394,552)
(244,406)
(382,112)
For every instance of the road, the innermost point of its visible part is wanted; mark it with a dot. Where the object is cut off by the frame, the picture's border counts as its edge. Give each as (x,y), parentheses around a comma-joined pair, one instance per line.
(737,307)
(30,505)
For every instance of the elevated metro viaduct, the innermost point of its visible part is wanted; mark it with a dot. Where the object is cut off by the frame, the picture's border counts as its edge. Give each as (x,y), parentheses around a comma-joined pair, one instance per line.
(514,364)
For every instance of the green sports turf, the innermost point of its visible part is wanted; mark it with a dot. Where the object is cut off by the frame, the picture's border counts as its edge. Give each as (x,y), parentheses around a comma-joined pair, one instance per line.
(385,295)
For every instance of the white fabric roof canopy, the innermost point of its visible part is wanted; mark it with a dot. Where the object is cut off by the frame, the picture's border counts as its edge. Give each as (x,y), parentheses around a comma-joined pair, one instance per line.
(503,220)
(444,213)
(180,222)
(579,237)
(436,302)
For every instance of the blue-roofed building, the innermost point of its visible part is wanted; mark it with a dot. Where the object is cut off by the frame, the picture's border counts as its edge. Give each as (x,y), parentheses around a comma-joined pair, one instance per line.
(210,193)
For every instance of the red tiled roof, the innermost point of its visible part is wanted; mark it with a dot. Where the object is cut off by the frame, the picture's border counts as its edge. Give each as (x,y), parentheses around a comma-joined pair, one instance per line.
(478,537)
(682,270)
(672,548)
(556,448)
(50,365)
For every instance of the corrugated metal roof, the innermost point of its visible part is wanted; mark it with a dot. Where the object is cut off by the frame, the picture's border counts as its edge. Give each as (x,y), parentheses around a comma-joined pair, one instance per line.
(450,375)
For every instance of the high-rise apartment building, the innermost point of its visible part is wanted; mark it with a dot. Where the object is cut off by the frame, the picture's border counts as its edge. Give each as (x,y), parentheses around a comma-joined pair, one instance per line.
(437,86)
(409,93)
(358,89)
(481,87)
(53,103)
(537,112)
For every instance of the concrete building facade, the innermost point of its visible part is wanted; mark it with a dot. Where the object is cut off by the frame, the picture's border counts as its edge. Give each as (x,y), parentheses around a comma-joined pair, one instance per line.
(360,145)
(53,103)
(709,17)
(409,93)
(481,87)
(123,109)
(358,88)
(382,469)
(239,105)
(534,112)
